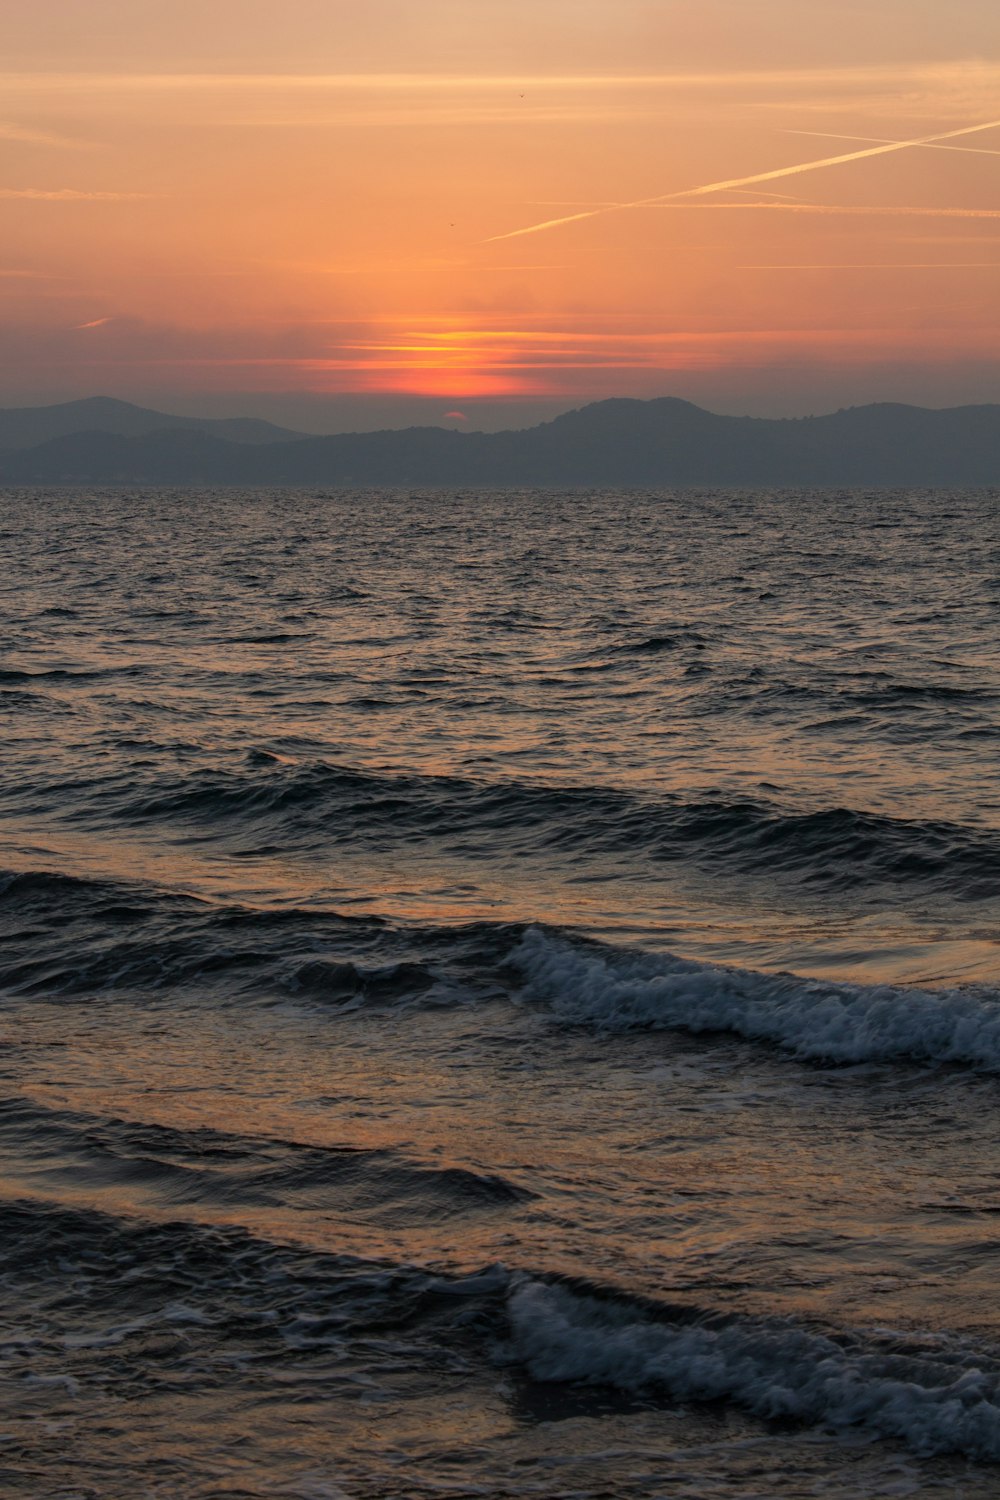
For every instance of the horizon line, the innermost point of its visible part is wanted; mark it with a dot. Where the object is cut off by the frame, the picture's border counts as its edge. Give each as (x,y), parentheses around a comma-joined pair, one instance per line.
(569,405)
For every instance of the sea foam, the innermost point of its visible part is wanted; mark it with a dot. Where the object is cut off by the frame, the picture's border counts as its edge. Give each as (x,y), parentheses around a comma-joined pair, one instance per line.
(933,1399)
(617,990)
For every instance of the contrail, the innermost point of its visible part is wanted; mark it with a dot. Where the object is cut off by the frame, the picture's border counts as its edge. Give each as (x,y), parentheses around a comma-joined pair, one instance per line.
(863,210)
(785,197)
(881,140)
(740,182)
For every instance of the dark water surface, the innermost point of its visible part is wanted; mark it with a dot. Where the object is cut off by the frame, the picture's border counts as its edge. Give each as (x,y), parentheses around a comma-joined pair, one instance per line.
(501,995)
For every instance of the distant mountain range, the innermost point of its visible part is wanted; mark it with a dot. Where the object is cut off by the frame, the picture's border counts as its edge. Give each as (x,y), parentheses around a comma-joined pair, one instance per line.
(27,426)
(610,443)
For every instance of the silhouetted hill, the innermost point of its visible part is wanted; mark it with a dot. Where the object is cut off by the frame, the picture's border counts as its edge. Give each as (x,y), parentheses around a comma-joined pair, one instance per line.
(26,426)
(619,442)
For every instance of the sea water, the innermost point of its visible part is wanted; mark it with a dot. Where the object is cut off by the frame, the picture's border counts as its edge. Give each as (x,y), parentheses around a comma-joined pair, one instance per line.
(500,994)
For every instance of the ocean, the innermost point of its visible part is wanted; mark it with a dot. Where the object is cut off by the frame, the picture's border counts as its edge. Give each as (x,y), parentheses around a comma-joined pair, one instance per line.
(500,994)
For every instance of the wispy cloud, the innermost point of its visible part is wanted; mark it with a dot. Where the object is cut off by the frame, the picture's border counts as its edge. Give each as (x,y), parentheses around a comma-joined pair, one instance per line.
(862,210)
(96,323)
(878,265)
(30,137)
(940,75)
(955,88)
(69,195)
(728,184)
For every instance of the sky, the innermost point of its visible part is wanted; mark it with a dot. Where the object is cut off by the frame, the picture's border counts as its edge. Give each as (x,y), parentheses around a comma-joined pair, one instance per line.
(480,212)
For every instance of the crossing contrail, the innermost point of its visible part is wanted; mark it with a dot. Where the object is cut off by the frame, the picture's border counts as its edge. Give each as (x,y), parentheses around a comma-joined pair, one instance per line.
(881,140)
(729,184)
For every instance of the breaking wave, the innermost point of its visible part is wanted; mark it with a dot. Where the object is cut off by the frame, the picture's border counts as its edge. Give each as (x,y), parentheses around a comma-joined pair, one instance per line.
(617,990)
(70,937)
(933,1397)
(216,1301)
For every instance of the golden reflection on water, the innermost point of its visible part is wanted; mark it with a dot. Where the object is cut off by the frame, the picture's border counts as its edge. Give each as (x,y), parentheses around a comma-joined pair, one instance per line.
(676,1179)
(895,947)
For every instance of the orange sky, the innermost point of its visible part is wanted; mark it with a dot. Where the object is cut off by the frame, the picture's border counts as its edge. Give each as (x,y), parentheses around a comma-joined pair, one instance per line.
(243,206)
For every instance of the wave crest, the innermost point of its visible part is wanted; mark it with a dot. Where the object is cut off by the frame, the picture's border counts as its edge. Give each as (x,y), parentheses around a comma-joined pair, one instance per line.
(621,990)
(824,849)
(935,1400)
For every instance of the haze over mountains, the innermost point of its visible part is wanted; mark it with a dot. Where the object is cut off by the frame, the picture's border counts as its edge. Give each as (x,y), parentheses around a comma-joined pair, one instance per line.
(665,441)
(27,426)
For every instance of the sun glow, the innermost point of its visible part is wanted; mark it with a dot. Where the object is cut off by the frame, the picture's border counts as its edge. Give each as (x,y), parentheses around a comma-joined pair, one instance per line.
(215,230)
